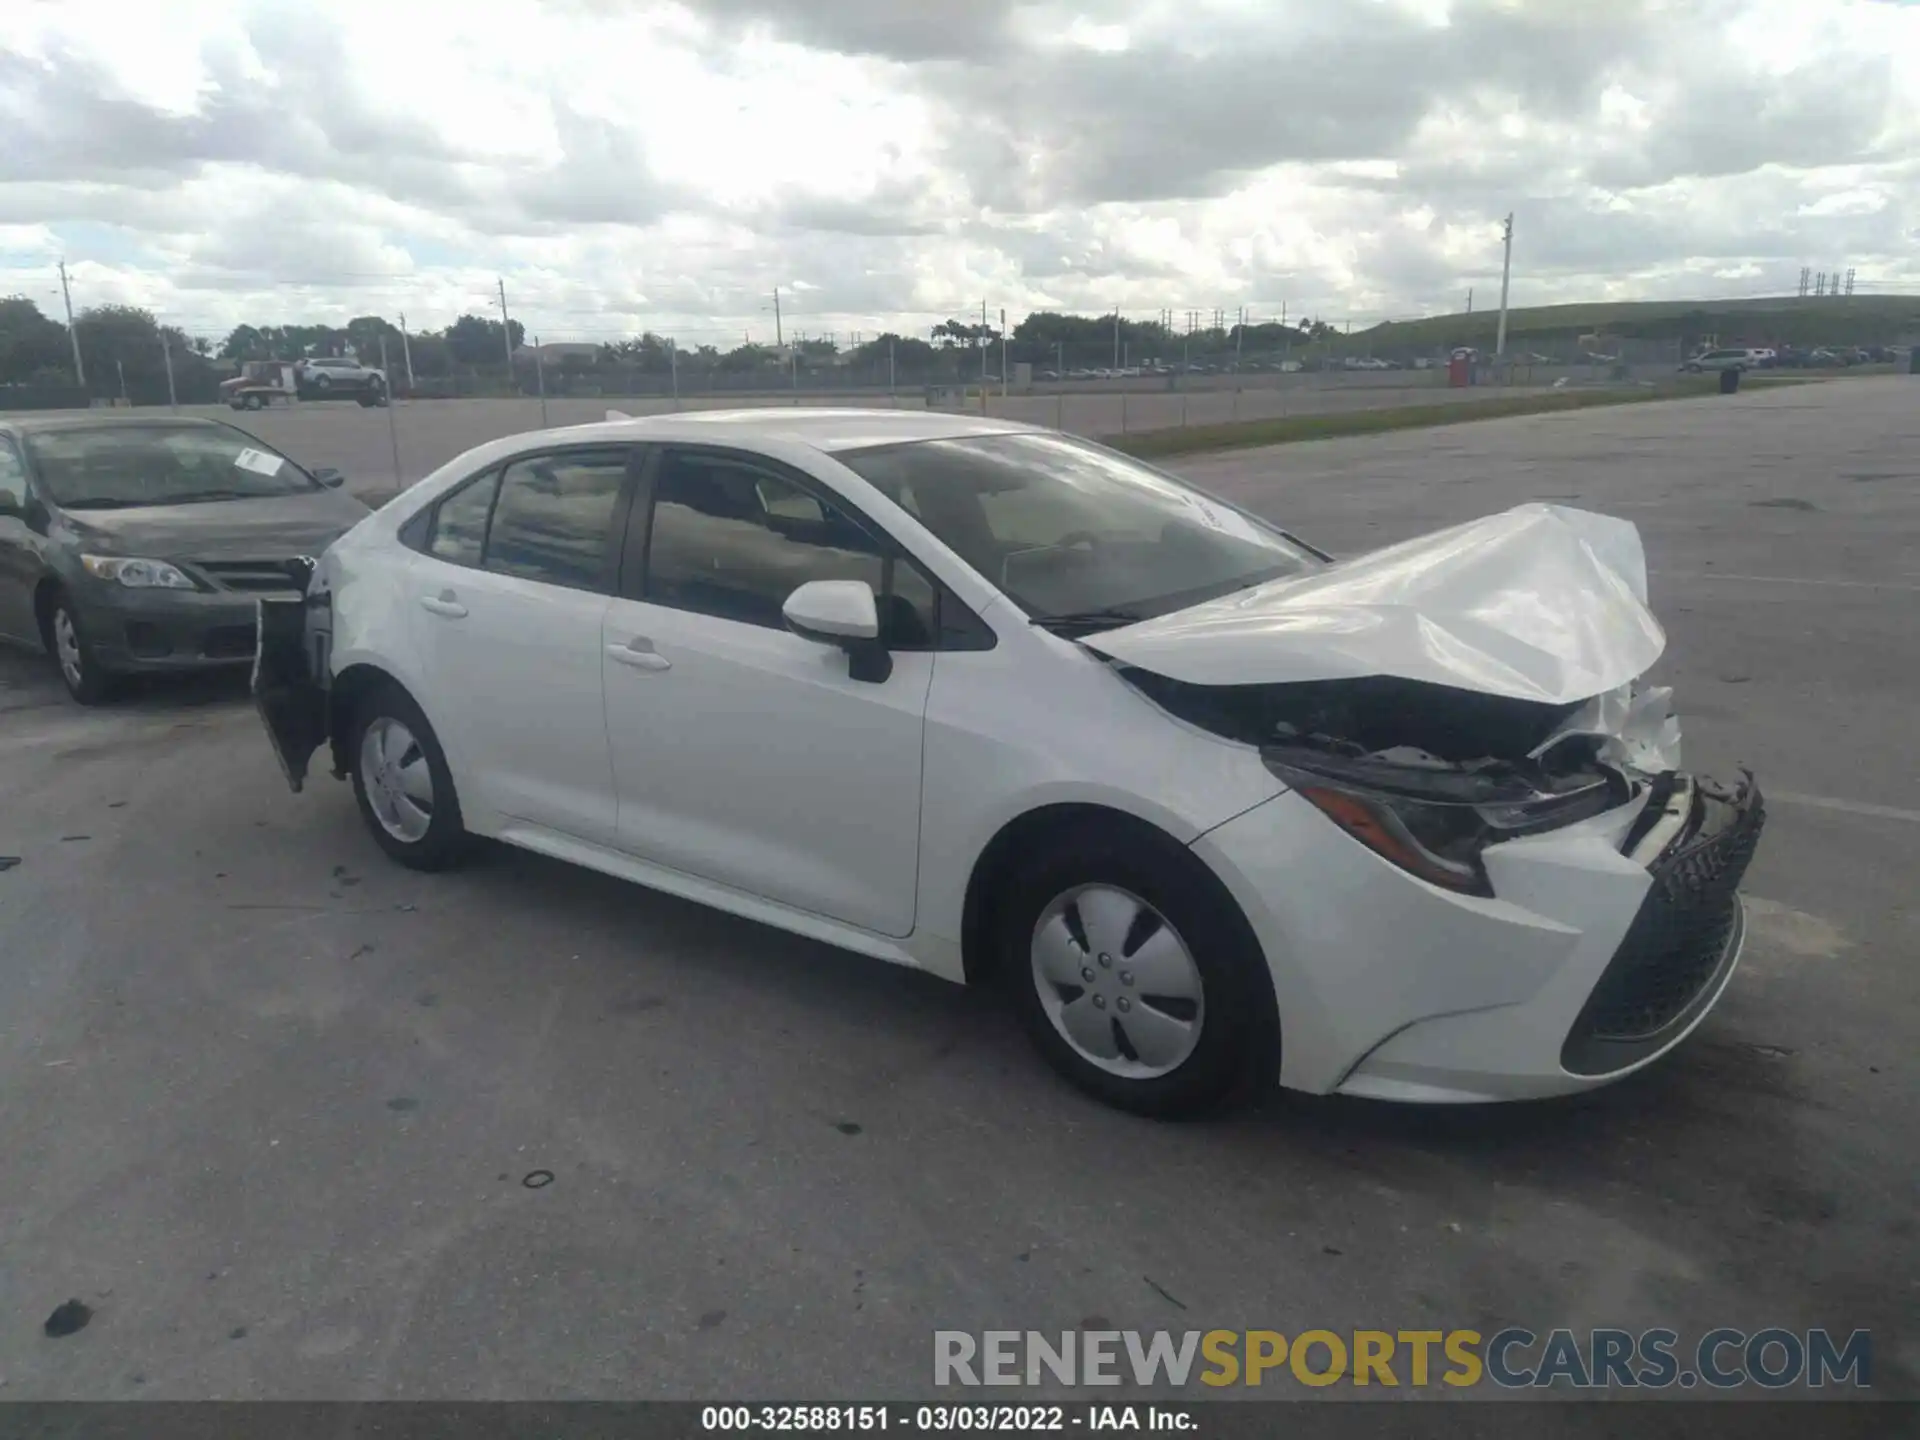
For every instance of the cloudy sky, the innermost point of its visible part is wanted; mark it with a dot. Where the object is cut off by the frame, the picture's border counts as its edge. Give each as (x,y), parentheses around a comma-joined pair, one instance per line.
(624,164)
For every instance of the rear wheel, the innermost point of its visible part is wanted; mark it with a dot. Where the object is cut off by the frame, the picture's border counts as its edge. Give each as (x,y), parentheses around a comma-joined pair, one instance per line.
(87,681)
(1136,975)
(256,402)
(402,783)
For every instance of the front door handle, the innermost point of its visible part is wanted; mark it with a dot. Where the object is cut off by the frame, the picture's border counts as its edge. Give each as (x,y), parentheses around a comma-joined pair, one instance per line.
(640,655)
(445,603)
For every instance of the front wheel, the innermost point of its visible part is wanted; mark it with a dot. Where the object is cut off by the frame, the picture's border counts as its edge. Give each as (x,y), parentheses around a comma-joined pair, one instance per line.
(1136,975)
(402,783)
(87,681)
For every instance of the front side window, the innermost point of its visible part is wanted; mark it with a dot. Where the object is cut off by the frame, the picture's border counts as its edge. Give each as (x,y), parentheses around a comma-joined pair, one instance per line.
(1066,528)
(734,539)
(117,467)
(553,519)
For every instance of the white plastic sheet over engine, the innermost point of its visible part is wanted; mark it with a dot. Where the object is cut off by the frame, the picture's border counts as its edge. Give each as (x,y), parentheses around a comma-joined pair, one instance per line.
(1540,602)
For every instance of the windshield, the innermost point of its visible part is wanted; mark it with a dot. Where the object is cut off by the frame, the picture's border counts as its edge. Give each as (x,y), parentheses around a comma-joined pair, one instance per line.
(1067,528)
(124,466)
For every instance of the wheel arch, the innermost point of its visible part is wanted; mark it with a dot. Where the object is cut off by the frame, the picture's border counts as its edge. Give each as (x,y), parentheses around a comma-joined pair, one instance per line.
(44,592)
(1047,824)
(344,694)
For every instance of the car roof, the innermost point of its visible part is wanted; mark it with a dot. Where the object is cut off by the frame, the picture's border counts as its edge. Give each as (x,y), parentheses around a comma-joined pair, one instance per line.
(826,430)
(95,420)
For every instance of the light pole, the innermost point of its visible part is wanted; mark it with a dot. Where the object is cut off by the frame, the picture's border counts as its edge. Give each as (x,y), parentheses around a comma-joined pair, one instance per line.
(79,369)
(1506,270)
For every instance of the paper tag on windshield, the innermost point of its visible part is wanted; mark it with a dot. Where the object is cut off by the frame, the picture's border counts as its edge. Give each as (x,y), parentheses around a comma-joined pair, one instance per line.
(258,461)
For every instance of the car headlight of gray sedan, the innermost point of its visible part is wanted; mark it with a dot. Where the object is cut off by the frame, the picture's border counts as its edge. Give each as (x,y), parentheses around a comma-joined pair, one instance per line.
(137,574)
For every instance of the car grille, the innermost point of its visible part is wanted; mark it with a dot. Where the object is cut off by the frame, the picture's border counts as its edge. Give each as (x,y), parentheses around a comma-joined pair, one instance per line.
(257,577)
(1680,941)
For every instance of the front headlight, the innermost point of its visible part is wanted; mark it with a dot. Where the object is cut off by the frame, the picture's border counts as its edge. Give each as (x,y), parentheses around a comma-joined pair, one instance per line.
(137,574)
(1435,820)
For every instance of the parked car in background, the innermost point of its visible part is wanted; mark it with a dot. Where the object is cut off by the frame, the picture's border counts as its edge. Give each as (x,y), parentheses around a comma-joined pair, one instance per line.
(1720,360)
(1007,706)
(131,545)
(323,378)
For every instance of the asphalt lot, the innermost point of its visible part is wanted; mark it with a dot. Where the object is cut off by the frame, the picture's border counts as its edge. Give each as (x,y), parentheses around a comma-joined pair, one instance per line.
(267,1101)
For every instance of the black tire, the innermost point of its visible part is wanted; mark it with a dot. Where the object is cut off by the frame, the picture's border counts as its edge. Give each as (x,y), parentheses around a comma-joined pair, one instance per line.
(323,381)
(1236,1054)
(446,842)
(256,402)
(94,684)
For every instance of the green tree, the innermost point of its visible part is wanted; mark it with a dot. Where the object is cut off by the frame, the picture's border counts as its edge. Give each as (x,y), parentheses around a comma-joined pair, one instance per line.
(30,343)
(117,340)
(364,334)
(474,340)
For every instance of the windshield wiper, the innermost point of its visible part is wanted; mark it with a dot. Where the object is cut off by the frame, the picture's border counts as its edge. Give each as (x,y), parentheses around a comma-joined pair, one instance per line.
(188,497)
(102,502)
(1086,621)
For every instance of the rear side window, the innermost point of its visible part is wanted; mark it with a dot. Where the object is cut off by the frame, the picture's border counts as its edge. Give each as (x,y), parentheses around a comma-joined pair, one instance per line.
(13,476)
(553,519)
(458,533)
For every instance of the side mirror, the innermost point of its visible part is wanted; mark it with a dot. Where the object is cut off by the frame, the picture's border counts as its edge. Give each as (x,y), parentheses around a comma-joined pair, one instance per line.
(328,476)
(844,614)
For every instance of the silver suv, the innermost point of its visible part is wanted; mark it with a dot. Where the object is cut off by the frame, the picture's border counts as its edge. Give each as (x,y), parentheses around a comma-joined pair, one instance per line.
(326,377)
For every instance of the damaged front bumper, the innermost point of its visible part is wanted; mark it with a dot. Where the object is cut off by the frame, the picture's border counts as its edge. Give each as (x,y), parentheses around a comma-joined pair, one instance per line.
(1602,946)
(291,674)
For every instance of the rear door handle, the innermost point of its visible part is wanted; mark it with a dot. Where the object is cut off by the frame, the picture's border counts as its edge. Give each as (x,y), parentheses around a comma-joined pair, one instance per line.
(639,654)
(445,603)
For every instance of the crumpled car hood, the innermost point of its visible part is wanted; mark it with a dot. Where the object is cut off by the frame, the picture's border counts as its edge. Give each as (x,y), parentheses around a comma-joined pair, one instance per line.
(1541,602)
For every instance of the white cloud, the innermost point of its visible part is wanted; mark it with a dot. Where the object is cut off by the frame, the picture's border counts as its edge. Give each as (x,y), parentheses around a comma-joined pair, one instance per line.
(626,164)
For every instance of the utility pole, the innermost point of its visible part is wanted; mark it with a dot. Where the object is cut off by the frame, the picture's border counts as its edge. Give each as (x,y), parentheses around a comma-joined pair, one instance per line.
(1239,339)
(1469,299)
(1506,270)
(406,349)
(166,358)
(1003,354)
(778,339)
(79,370)
(506,333)
(983,346)
(540,379)
(1116,337)
(1850,280)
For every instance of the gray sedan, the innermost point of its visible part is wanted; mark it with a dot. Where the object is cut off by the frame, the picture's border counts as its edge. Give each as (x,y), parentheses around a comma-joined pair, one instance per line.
(133,544)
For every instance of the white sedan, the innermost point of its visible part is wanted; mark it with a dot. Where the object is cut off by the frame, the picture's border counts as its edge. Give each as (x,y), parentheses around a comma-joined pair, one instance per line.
(999,703)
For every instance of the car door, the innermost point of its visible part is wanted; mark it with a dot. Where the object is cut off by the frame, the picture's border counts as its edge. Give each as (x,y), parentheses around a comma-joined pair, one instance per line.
(742,753)
(19,566)
(511,588)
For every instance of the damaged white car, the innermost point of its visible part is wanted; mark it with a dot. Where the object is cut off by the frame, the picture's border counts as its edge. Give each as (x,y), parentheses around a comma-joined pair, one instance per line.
(999,703)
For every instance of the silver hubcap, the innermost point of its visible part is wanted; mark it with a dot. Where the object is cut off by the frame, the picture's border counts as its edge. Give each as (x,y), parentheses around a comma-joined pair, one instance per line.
(66,648)
(1118,982)
(399,785)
